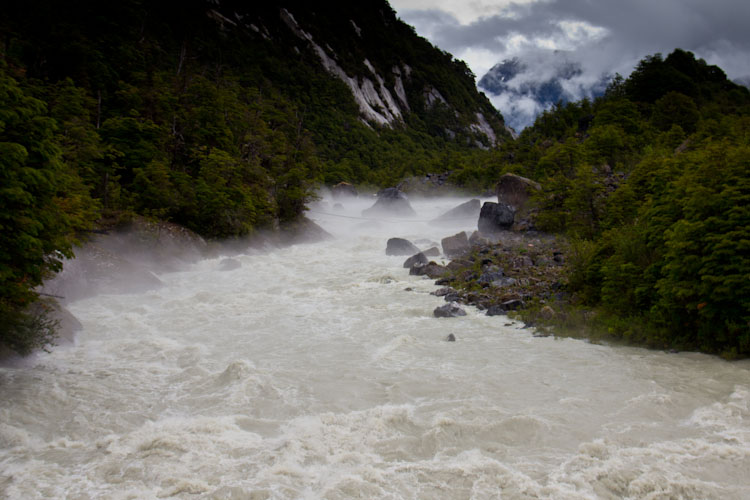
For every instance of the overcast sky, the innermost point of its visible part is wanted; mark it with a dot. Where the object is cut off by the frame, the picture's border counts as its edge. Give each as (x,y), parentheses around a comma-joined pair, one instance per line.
(606,36)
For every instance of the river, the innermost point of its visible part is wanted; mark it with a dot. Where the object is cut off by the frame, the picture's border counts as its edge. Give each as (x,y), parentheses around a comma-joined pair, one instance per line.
(312,372)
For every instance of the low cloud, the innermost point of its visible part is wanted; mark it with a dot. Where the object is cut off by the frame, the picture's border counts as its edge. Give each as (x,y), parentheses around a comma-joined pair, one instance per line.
(603,37)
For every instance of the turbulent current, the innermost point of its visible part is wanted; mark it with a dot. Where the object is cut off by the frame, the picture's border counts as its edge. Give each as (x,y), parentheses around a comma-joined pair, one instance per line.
(312,372)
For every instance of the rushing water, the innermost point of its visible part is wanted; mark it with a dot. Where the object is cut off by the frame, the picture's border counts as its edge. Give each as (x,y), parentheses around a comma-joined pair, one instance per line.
(311,372)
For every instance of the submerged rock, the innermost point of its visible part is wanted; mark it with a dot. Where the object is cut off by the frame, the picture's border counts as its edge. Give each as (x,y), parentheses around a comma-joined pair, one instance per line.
(450,338)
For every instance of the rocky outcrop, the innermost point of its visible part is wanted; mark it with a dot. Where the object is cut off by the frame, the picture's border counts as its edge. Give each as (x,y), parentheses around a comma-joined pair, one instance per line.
(461,213)
(495,217)
(343,190)
(456,245)
(400,246)
(391,202)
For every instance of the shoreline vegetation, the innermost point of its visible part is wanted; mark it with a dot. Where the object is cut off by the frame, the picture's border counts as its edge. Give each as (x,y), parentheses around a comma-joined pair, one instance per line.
(226,129)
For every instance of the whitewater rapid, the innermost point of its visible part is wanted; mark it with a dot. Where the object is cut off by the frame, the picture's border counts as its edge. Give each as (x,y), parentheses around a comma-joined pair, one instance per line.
(319,371)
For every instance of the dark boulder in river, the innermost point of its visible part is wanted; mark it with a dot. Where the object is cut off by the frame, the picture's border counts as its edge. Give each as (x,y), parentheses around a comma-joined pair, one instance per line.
(418,259)
(448,311)
(390,202)
(495,217)
(400,246)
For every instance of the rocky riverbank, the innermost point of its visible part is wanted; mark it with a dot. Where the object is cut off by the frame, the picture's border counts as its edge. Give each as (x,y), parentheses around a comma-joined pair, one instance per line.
(510,272)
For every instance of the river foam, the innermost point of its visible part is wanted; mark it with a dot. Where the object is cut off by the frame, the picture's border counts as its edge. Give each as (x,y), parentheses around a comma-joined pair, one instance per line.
(311,372)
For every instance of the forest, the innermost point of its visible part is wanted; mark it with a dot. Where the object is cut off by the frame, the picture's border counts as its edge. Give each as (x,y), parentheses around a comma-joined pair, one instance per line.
(162,114)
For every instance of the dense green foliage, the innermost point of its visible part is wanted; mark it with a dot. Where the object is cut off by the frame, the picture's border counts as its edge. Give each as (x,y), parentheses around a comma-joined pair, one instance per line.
(653,183)
(41,203)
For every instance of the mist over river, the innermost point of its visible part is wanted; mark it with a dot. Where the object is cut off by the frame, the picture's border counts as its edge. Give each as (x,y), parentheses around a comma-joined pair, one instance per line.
(310,372)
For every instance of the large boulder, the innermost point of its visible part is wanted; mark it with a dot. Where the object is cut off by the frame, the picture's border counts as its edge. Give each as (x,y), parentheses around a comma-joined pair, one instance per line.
(515,190)
(463,212)
(456,245)
(391,202)
(400,246)
(495,217)
(343,190)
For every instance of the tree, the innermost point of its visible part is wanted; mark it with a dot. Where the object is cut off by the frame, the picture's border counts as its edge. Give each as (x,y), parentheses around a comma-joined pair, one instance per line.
(38,212)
